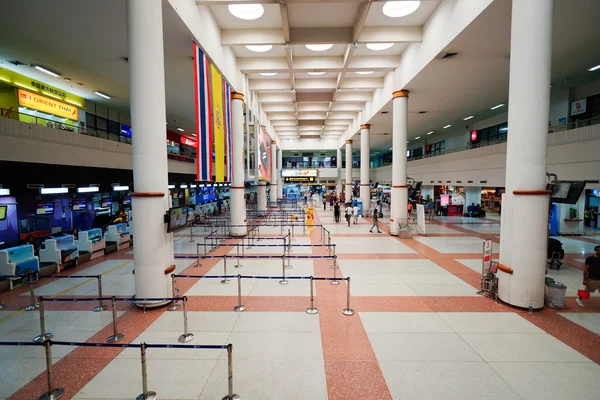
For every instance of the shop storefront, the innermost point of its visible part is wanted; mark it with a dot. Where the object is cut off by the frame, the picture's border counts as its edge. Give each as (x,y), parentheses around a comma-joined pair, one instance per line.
(181,148)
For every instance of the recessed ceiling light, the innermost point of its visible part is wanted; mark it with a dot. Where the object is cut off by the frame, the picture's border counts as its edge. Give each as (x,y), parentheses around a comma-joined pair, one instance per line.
(379,46)
(46,71)
(193,134)
(259,48)
(364,72)
(318,47)
(267,73)
(103,95)
(180,129)
(430,133)
(397,9)
(468,118)
(246,11)
(498,106)
(418,137)
(316,73)
(447,126)
(594,68)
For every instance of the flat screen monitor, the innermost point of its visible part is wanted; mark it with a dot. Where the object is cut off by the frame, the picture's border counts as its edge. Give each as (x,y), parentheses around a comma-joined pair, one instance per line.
(44,208)
(79,205)
(566,192)
(177,218)
(3,213)
(127,201)
(106,203)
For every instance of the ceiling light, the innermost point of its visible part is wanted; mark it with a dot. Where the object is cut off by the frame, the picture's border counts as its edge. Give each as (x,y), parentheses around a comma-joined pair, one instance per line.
(498,106)
(364,72)
(447,126)
(267,73)
(259,48)
(120,188)
(103,95)
(246,11)
(397,9)
(54,190)
(193,134)
(468,118)
(88,189)
(293,91)
(316,73)
(418,137)
(4,192)
(46,71)
(379,46)
(318,47)
(171,186)
(193,186)
(594,68)
(430,133)
(180,129)
(183,186)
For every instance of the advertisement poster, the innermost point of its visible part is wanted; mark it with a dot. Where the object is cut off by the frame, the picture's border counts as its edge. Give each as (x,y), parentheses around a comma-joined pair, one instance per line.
(264,156)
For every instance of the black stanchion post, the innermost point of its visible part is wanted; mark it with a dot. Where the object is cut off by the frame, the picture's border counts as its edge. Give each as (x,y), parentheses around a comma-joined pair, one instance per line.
(334,281)
(146,395)
(225,280)
(348,310)
(33,305)
(191,233)
(283,281)
(100,306)
(52,393)
(312,309)
(230,395)
(43,335)
(240,307)
(186,336)
(174,305)
(198,254)
(116,336)
(237,249)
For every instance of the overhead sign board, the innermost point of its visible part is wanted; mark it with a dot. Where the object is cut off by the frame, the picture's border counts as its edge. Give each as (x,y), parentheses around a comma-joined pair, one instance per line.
(299,179)
(47,105)
(300,172)
(579,106)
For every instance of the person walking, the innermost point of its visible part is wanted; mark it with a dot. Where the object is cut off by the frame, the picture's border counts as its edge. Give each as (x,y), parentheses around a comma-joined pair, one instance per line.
(355,213)
(336,212)
(375,220)
(324,202)
(591,274)
(348,213)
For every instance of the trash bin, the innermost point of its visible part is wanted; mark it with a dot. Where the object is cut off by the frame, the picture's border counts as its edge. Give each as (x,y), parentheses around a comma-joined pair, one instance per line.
(554,294)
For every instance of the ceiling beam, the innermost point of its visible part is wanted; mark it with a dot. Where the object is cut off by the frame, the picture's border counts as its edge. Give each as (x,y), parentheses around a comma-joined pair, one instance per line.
(320,35)
(389,34)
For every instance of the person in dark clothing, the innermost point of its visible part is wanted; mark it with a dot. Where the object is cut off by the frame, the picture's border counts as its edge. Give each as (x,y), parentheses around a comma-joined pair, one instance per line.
(591,274)
(375,220)
(336,212)
(324,202)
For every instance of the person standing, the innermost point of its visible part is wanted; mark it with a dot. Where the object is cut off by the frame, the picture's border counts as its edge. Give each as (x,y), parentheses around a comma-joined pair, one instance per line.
(336,212)
(324,202)
(348,212)
(331,198)
(591,274)
(375,220)
(355,213)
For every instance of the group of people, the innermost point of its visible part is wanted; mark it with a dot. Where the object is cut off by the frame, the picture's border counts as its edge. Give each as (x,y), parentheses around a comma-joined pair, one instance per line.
(590,217)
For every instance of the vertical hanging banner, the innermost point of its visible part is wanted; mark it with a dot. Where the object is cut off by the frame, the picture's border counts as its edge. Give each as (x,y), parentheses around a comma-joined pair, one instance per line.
(228,132)
(204,121)
(218,123)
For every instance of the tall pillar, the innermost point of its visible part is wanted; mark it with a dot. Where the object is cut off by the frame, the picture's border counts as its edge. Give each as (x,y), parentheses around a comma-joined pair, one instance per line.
(524,225)
(339,172)
(261,196)
(237,189)
(274,177)
(399,193)
(472,196)
(279,168)
(365,164)
(348,186)
(153,245)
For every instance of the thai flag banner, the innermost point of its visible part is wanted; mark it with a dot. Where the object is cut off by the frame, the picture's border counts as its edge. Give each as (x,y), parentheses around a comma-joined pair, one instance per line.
(204,130)
(228,133)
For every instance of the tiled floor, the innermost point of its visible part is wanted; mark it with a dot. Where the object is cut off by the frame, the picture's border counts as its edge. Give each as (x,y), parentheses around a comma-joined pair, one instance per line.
(419,332)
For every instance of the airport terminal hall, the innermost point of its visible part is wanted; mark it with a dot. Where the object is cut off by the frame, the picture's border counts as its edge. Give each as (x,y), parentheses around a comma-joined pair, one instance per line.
(299,199)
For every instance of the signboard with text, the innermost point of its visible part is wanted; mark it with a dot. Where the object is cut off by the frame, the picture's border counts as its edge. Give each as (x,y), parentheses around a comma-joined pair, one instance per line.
(298,179)
(487,256)
(44,104)
(300,172)
(579,107)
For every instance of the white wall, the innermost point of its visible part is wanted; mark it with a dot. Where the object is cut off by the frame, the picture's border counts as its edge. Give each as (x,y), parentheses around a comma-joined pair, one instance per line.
(559,106)
(308,144)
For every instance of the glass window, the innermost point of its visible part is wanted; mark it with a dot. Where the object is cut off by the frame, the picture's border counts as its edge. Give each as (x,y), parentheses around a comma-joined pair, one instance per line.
(90,120)
(102,124)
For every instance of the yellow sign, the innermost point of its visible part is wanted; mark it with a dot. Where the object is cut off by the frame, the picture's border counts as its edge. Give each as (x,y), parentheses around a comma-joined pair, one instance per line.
(44,104)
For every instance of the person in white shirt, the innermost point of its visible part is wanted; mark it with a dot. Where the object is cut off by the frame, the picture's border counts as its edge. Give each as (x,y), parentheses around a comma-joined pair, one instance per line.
(355,214)
(348,213)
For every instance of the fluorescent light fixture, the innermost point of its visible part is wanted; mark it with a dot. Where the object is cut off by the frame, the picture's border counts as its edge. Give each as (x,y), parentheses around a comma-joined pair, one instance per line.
(4,192)
(107,97)
(183,186)
(447,126)
(397,9)
(193,186)
(180,129)
(418,137)
(171,186)
(259,48)
(468,118)
(202,185)
(120,188)
(597,67)
(316,73)
(430,133)
(318,47)
(246,11)
(193,134)
(503,129)
(267,73)
(498,106)
(379,46)
(88,189)
(364,72)
(54,190)
(46,71)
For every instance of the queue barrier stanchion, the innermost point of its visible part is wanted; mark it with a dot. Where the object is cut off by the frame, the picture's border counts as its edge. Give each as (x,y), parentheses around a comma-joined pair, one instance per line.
(116,336)
(289,250)
(43,336)
(192,233)
(186,337)
(100,306)
(174,305)
(145,395)
(237,250)
(312,309)
(348,310)
(293,232)
(230,394)
(198,254)
(240,307)
(225,280)
(52,393)
(33,305)
(329,244)
(335,281)
(334,256)
(283,281)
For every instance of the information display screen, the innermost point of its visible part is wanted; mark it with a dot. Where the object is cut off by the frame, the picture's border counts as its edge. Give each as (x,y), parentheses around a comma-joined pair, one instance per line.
(44,209)
(177,218)
(79,205)
(106,203)
(3,213)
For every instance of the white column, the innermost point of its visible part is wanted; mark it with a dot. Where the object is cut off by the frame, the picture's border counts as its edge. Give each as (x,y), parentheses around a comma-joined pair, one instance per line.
(339,172)
(279,178)
(472,196)
(399,193)
(261,196)
(237,189)
(365,163)
(348,185)
(153,245)
(523,232)
(274,176)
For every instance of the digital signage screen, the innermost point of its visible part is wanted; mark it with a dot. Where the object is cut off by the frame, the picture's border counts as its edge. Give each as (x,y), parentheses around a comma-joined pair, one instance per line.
(79,205)
(264,156)
(127,201)
(177,218)
(44,209)
(3,213)
(106,203)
